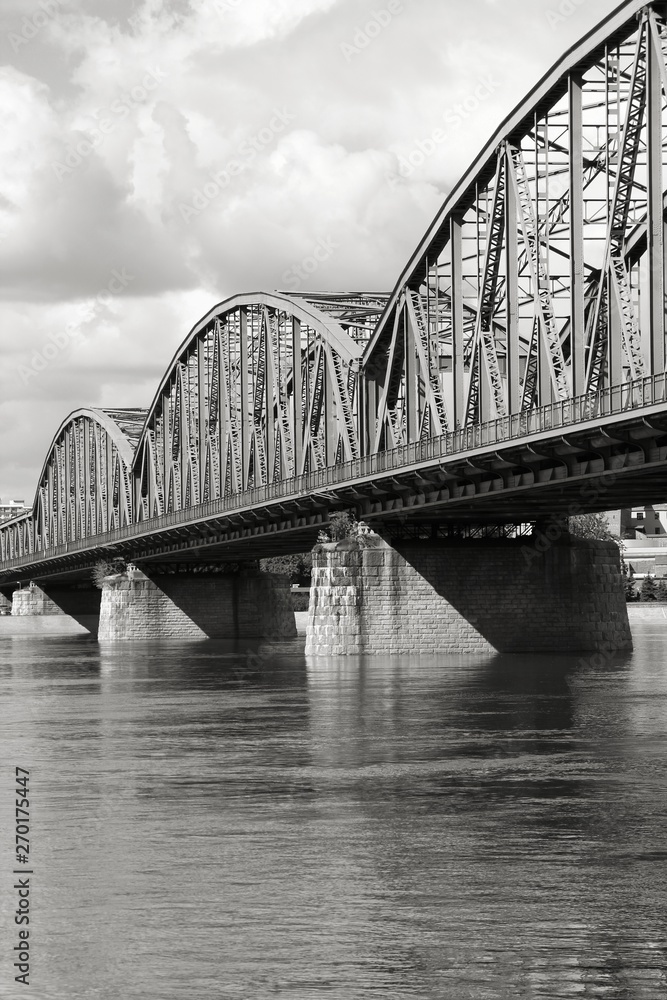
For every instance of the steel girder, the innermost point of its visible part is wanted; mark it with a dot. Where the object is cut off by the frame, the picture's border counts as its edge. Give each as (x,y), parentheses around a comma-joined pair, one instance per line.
(542,278)
(263,389)
(17,537)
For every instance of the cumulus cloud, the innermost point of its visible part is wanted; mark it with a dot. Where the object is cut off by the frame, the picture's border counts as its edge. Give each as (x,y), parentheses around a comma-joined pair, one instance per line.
(160,155)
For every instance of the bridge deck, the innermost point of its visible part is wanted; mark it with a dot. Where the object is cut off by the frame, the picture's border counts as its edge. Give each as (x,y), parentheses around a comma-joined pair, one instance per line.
(583,454)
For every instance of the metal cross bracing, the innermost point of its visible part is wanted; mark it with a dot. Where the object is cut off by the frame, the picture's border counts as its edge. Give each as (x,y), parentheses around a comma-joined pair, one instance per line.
(265,388)
(85,487)
(357,313)
(542,278)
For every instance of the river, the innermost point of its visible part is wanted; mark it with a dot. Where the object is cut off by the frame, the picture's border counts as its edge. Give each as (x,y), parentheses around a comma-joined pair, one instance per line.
(206,823)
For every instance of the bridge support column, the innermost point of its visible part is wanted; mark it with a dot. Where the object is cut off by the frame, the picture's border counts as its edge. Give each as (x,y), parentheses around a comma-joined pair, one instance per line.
(32,601)
(473,596)
(244,605)
(78,601)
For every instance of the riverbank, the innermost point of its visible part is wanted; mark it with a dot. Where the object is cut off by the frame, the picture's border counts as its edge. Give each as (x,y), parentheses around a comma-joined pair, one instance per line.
(29,626)
(647,613)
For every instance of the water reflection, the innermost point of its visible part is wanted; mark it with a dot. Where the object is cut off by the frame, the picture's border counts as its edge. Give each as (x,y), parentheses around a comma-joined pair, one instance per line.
(241,822)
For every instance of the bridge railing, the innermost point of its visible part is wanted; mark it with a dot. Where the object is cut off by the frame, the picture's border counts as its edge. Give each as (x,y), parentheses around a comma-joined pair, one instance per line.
(630,396)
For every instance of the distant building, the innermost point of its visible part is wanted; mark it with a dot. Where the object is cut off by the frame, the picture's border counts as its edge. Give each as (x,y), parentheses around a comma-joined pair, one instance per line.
(12,508)
(643,531)
(642,522)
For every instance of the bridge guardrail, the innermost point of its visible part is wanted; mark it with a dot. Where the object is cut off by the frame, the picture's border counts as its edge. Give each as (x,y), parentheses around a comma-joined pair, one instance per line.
(628,397)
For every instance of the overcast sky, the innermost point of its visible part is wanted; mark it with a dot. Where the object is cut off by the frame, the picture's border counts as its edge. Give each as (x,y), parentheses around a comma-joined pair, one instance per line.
(117,114)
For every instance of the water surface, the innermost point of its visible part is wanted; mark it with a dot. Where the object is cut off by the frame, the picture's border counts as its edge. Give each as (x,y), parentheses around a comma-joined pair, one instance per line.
(212,824)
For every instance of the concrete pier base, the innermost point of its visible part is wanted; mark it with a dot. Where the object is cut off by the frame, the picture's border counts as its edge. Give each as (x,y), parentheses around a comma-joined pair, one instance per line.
(505,595)
(32,600)
(249,604)
(78,601)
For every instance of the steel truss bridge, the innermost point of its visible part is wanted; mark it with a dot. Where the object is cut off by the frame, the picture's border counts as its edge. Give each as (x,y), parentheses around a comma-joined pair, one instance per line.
(515,372)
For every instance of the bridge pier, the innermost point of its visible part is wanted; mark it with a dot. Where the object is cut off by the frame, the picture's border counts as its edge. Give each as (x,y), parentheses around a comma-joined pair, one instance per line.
(33,601)
(247,604)
(78,601)
(449,596)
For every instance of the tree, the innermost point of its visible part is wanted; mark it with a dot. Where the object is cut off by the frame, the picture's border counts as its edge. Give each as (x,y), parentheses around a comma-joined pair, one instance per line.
(661,591)
(628,581)
(297,567)
(105,568)
(341,525)
(593,526)
(283,565)
(648,588)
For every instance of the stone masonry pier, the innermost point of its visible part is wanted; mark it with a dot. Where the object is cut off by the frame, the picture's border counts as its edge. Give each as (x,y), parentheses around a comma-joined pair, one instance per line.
(505,595)
(80,602)
(31,601)
(243,605)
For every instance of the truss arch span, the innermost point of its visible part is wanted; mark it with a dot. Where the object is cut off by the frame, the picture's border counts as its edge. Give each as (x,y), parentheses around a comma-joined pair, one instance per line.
(265,387)
(542,277)
(85,485)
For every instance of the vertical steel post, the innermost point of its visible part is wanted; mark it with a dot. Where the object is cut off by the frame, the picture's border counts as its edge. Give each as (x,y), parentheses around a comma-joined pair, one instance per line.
(245,400)
(543,367)
(458,374)
(577,315)
(511,294)
(297,400)
(203,388)
(410,374)
(655,223)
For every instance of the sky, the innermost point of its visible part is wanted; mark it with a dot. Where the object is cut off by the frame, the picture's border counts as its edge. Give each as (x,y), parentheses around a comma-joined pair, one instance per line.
(159,156)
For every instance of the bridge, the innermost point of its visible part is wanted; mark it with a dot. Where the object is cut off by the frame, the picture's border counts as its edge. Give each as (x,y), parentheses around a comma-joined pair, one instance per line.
(514,376)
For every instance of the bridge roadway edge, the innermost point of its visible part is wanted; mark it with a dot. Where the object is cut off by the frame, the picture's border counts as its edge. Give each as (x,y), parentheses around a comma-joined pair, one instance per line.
(474,484)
